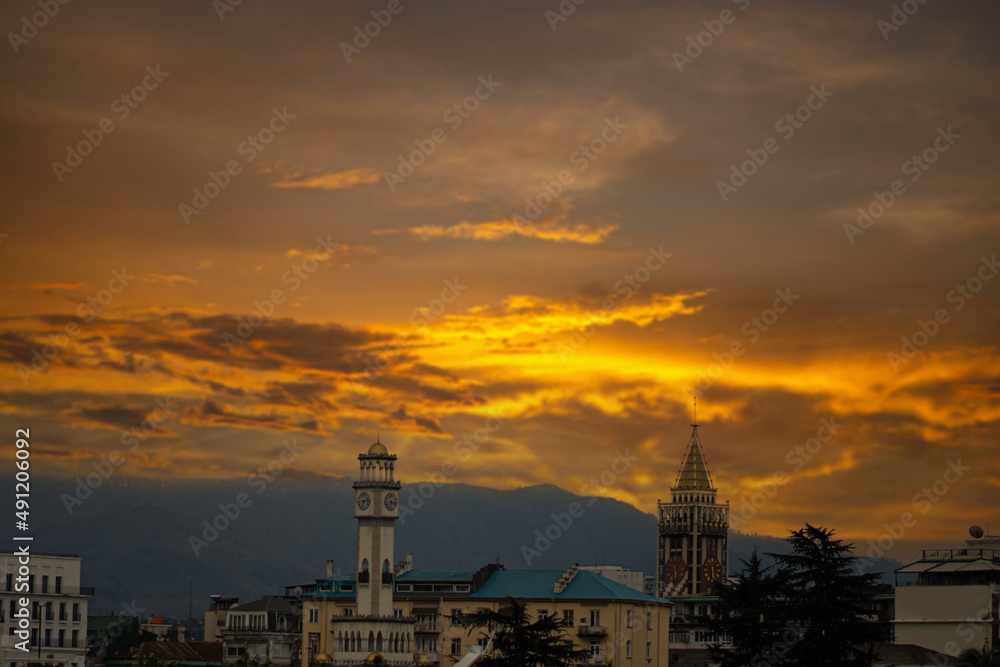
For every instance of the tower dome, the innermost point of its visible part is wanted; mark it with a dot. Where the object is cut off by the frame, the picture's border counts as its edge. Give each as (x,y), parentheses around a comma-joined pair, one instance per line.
(378,449)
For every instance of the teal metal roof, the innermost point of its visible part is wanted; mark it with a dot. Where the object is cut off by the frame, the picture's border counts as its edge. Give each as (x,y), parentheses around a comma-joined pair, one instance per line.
(540,585)
(420,575)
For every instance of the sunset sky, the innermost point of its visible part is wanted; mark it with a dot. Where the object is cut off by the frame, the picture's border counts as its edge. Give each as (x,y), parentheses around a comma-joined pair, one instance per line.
(425,304)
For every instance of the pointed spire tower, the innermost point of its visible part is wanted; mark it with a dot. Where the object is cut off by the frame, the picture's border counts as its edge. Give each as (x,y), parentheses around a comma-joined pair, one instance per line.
(693,550)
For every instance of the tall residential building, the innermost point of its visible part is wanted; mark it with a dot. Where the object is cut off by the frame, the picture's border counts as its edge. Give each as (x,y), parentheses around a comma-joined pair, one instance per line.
(693,530)
(58,618)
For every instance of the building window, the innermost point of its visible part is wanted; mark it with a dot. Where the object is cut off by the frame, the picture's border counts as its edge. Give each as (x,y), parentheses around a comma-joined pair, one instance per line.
(31,583)
(48,636)
(34,636)
(595,648)
(397,613)
(595,616)
(75,638)
(314,615)
(349,612)
(649,650)
(62,611)
(542,614)
(703,610)
(628,648)
(62,638)
(76,611)
(456,645)
(628,619)
(45,583)
(649,620)
(567,618)
(58,584)
(10,582)
(49,616)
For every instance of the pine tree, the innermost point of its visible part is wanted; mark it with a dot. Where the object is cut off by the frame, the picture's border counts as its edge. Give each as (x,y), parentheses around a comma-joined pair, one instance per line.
(827,602)
(749,614)
(517,642)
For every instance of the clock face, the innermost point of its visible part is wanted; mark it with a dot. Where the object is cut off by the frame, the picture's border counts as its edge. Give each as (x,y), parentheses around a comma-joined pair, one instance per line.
(711,570)
(391,501)
(675,569)
(364,500)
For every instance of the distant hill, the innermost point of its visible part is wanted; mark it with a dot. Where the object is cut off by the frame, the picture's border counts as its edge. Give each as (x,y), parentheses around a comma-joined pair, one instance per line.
(135,536)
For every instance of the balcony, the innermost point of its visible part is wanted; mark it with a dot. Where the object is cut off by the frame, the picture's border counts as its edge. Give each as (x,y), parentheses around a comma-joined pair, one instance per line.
(363,577)
(425,628)
(595,660)
(592,631)
(387,577)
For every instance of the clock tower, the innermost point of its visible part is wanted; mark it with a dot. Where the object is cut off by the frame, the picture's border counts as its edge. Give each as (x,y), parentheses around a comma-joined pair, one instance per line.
(376,507)
(693,530)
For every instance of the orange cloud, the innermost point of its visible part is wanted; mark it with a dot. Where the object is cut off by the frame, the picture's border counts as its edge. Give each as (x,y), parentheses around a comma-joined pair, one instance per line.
(552,227)
(338,180)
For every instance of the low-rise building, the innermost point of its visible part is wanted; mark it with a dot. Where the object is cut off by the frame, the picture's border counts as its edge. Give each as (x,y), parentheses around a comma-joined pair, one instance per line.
(610,621)
(215,617)
(57,628)
(268,630)
(954,602)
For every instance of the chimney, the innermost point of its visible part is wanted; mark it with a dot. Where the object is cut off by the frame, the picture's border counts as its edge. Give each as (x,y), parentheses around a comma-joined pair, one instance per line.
(181,634)
(329,569)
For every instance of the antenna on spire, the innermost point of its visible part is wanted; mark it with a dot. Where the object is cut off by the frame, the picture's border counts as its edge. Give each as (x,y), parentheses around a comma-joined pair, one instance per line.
(695,424)
(378,433)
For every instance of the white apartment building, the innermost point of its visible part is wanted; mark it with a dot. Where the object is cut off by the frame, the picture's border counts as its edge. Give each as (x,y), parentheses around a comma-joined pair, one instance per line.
(58,622)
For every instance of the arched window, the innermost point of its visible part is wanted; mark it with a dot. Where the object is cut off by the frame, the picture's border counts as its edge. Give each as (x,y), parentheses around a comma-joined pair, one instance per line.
(385,566)
(364,565)
(378,642)
(371,641)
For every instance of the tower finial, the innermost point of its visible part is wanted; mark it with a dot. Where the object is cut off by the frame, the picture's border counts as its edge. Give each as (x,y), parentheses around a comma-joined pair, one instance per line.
(378,433)
(695,424)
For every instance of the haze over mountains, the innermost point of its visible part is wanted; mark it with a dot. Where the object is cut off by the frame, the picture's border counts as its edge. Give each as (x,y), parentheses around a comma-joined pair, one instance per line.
(138,539)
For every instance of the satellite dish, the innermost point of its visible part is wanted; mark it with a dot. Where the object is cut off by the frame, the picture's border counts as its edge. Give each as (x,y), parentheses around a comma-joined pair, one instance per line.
(976,532)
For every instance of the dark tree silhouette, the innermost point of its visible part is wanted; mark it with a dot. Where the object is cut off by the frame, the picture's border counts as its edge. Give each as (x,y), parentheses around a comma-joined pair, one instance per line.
(826,601)
(517,642)
(749,613)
